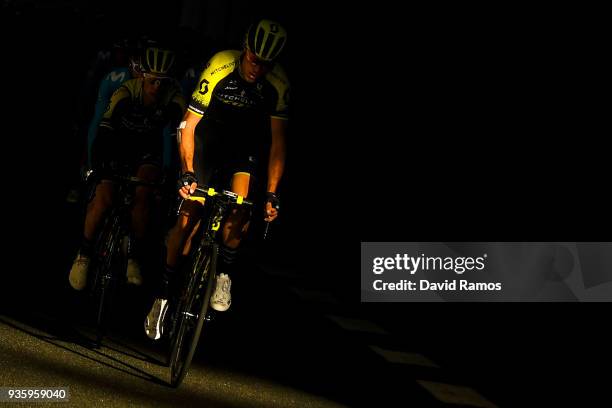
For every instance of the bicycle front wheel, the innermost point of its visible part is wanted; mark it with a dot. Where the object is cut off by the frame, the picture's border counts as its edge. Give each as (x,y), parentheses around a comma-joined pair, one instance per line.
(107,256)
(191,311)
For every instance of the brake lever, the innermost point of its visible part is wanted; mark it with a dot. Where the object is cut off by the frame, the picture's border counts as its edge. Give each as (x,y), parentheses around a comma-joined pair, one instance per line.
(265,234)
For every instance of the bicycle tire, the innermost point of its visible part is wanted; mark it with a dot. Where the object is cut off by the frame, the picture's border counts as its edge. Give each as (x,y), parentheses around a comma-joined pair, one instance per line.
(187,332)
(107,255)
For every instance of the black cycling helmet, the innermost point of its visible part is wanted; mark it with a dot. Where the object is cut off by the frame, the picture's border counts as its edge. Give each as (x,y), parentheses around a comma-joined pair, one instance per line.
(266,39)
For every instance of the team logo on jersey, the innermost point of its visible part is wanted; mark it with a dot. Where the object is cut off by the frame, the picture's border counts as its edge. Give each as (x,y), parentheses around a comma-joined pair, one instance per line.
(203,86)
(241,100)
(223,67)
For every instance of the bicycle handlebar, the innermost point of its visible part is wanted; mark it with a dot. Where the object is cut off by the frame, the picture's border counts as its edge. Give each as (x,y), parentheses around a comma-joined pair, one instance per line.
(224,195)
(128,180)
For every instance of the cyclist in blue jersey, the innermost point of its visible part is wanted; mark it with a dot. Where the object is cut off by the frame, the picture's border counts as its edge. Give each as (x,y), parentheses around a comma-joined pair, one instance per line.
(111,82)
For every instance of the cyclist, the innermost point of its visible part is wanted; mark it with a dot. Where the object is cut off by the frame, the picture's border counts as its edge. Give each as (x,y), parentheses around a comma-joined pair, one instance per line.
(241,105)
(130,136)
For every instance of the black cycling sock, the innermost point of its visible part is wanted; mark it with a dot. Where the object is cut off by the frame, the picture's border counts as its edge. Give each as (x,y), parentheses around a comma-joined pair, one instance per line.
(86,247)
(227,259)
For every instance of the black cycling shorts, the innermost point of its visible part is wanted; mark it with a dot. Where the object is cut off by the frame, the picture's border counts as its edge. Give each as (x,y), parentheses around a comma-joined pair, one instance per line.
(112,151)
(220,152)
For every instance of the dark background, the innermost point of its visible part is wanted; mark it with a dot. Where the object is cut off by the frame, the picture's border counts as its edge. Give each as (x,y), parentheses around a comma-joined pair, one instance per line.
(436,123)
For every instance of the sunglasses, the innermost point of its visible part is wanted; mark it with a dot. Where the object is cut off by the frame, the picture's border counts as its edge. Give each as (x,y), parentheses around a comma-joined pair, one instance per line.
(253,60)
(155,80)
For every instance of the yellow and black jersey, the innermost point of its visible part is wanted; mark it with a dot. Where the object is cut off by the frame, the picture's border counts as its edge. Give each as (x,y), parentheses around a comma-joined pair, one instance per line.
(224,96)
(126,111)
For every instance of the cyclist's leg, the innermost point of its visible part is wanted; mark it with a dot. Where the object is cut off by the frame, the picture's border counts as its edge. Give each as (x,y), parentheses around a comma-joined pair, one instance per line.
(105,156)
(140,221)
(237,222)
(143,198)
(96,210)
(187,219)
(244,166)
(98,207)
(233,230)
(178,238)
(180,235)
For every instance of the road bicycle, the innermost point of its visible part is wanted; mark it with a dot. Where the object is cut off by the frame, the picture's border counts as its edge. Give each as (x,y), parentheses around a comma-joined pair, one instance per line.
(191,312)
(111,249)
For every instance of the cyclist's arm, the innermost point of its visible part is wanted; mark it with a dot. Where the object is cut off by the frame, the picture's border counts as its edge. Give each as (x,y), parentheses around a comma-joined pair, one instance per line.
(276,162)
(107,87)
(118,106)
(105,142)
(185,137)
(278,123)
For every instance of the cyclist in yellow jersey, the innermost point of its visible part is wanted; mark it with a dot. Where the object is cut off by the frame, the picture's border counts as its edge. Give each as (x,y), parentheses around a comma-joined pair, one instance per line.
(240,104)
(129,139)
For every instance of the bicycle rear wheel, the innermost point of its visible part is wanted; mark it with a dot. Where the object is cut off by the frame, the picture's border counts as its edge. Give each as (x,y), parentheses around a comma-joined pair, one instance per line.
(191,311)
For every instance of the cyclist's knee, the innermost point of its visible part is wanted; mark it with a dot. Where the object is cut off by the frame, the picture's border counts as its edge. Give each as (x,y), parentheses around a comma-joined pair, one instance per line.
(238,217)
(189,211)
(103,197)
(185,222)
(234,234)
(142,196)
(148,172)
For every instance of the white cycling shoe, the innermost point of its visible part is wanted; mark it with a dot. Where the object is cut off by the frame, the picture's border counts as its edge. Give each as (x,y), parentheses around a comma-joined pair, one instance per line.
(221,298)
(154,323)
(78,272)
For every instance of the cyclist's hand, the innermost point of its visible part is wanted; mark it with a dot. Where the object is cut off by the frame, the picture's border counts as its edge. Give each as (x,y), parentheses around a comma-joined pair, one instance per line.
(187,184)
(272,207)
